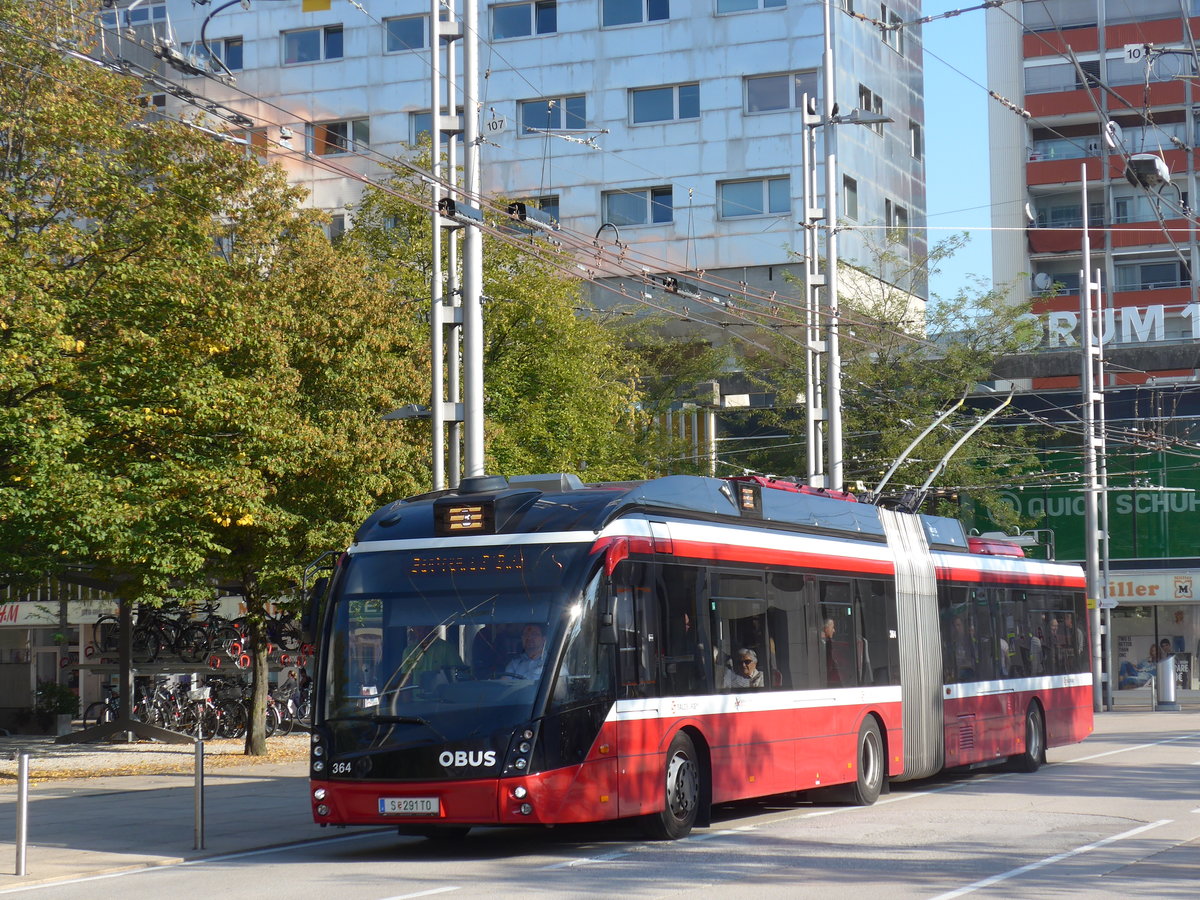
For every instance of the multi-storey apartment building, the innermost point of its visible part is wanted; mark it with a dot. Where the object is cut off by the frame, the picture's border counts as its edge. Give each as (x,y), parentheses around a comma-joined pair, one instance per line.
(1107,88)
(1112,95)
(677,122)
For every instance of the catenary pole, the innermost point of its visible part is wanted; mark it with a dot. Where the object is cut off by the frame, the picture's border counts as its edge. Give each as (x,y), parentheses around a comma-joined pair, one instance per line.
(472,288)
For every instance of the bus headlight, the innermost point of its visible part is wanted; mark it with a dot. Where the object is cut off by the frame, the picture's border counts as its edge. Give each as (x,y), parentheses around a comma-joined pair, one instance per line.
(318,766)
(322,810)
(519,792)
(319,794)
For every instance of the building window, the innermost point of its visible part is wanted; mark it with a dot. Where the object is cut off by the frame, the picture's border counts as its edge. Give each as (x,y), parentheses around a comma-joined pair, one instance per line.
(421,125)
(255,141)
(1091,75)
(405,33)
(227,50)
(767,93)
(638,206)
(665,104)
(144,14)
(728,6)
(524,19)
(312,44)
(895,219)
(330,138)
(849,198)
(869,101)
(916,140)
(1152,276)
(336,227)
(553,114)
(755,197)
(628,12)
(893,35)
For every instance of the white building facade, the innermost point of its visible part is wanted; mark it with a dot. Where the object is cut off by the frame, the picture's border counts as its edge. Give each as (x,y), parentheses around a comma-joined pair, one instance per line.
(678,122)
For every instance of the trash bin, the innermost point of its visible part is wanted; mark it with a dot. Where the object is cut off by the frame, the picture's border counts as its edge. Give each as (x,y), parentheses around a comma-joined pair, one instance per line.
(1165,678)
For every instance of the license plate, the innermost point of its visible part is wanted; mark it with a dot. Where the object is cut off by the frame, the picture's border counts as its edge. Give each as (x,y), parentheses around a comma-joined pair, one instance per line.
(409,806)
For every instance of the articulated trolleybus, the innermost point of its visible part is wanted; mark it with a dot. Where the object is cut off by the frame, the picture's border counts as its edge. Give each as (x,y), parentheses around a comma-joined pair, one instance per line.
(541,651)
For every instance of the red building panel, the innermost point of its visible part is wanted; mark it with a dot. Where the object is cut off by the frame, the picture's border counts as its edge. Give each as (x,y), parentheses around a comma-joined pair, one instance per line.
(1145,234)
(1061,240)
(1051,43)
(1061,171)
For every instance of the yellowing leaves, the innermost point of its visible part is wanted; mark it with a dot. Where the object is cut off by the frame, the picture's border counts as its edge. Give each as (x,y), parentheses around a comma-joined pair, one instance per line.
(68,344)
(225,521)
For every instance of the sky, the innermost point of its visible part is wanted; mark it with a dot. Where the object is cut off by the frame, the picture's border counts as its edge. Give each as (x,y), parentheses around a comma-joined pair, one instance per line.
(956,141)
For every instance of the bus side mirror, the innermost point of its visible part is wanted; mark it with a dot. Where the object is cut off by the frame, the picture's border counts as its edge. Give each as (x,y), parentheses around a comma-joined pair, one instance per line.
(310,619)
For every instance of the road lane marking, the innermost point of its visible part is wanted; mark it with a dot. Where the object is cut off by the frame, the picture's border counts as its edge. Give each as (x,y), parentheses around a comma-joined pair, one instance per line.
(583,861)
(1050,860)
(1183,737)
(428,893)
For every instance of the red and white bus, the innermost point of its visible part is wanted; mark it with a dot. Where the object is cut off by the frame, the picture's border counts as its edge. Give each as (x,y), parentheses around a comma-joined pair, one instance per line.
(541,651)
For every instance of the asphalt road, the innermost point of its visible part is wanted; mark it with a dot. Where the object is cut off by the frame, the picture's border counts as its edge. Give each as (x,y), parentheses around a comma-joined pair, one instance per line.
(1117,816)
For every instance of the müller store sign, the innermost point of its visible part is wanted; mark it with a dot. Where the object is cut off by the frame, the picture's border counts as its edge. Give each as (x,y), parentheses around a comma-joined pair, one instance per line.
(1126,325)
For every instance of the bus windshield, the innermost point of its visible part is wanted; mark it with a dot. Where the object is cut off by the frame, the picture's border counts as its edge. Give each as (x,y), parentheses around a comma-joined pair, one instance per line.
(444,644)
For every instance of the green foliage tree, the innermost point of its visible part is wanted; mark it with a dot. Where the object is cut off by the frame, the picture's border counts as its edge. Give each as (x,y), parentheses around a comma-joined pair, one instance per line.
(905,362)
(561,388)
(191,378)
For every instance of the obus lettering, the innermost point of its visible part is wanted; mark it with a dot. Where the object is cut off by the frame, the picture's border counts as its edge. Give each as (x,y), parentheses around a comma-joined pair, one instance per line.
(461,758)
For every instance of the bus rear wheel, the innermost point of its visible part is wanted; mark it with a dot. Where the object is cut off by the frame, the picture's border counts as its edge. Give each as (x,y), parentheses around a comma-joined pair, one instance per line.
(1035,742)
(681,801)
(866,788)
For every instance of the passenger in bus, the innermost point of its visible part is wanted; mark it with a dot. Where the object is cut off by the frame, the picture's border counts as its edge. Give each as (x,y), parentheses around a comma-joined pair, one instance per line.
(529,663)
(427,652)
(833,676)
(745,673)
(963,650)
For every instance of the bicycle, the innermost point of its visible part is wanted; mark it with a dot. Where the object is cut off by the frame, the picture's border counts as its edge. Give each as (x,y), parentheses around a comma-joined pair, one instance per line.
(102,711)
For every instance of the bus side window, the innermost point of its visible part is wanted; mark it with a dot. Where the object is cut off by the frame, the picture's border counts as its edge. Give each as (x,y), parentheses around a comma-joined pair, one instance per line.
(739,623)
(873,605)
(636,633)
(838,640)
(785,611)
(680,593)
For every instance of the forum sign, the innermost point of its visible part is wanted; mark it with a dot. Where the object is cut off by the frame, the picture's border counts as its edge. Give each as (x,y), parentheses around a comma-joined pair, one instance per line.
(1126,325)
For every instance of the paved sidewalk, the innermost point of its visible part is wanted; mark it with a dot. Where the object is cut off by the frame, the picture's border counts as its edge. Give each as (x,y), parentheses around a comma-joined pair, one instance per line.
(109,823)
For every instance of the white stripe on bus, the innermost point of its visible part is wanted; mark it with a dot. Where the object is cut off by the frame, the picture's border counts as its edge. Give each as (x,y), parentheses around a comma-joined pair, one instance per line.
(760,701)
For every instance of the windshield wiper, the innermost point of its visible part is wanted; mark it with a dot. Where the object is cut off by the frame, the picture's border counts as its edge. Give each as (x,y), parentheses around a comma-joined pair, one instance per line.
(398,720)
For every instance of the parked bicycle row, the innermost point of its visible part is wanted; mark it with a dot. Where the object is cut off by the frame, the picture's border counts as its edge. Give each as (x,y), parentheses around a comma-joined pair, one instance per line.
(176,631)
(218,708)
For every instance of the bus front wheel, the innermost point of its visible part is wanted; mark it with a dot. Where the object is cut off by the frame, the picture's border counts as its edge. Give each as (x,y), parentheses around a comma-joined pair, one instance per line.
(681,801)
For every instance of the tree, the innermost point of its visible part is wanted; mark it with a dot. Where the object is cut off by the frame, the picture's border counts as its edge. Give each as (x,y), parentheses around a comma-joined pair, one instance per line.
(904,362)
(561,390)
(192,379)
